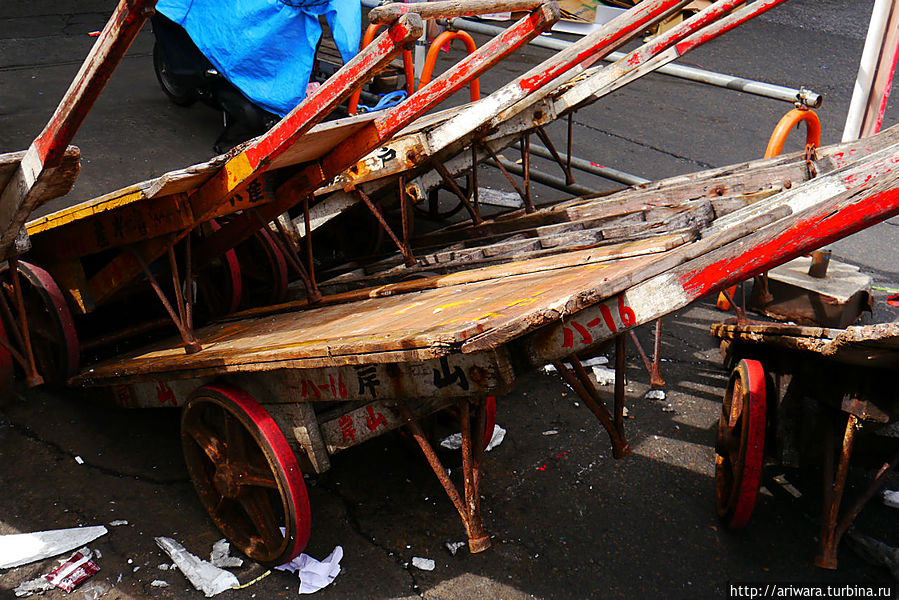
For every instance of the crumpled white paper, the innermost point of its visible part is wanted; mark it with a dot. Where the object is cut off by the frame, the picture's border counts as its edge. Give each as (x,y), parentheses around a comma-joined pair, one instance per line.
(454,441)
(221,555)
(314,574)
(204,576)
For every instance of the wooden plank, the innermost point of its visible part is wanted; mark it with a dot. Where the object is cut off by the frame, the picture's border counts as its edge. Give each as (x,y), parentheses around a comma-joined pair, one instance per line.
(445,9)
(386,125)
(29,186)
(820,211)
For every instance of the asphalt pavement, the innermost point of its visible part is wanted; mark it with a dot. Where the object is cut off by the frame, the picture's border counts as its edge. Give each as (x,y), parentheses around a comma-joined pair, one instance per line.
(566,519)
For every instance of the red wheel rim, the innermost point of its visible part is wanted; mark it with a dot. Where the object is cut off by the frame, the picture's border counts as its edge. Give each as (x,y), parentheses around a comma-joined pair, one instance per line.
(740,444)
(489,419)
(6,364)
(234,283)
(265,269)
(279,266)
(50,323)
(245,474)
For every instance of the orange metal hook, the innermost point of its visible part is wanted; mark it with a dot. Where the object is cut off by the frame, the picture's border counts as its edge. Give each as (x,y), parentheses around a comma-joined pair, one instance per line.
(431,59)
(788,122)
(367,39)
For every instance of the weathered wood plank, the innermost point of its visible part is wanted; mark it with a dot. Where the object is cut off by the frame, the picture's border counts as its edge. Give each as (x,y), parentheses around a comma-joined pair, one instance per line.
(445,9)
(33,180)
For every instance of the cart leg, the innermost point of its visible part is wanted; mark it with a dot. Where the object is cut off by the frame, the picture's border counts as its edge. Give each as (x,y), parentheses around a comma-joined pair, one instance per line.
(583,386)
(833,494)
(469,509)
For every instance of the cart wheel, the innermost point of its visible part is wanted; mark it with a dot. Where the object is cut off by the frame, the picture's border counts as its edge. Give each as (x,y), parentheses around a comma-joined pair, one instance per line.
(489,419)
(50,323)
(220,288)
(245,474)
(741,443)
(264,269)
(6,366)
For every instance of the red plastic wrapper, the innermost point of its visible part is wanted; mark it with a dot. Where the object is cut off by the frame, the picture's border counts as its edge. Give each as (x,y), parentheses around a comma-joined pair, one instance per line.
(72,573)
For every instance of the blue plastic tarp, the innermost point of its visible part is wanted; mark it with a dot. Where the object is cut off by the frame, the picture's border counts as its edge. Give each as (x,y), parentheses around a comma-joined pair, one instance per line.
(266,47)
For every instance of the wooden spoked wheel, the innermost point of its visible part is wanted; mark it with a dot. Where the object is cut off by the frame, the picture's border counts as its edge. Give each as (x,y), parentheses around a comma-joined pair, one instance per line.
(740,445)
(245,474)
(264,270)
(50,324)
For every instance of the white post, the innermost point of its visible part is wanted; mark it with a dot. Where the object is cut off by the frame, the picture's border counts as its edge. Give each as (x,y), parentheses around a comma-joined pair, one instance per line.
(870,57)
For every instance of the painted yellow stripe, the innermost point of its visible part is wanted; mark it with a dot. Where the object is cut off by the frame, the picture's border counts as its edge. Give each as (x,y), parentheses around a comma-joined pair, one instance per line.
(237,170)
(81,211)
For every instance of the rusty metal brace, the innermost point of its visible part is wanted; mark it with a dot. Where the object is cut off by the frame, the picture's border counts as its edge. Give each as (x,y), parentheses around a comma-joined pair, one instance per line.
(526,172)
(834,486)
(408,257)
(832,531)
(469,509)
(583,386)
(655,374)
(32,377)
(454,187)
(570,137)
(565,165)
(739,310)
(191,345)
(475,195)
(811,155)
(281,240)
(503,170)
(14,328)
(405,211)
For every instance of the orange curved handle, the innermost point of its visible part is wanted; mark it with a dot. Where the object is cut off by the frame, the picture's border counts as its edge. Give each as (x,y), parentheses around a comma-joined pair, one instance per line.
(431,59)
(789,121)
(353,104)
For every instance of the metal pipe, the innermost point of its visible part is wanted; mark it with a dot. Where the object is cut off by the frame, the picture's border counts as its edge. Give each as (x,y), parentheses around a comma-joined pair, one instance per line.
(544,178)
(740,84)
(590,167)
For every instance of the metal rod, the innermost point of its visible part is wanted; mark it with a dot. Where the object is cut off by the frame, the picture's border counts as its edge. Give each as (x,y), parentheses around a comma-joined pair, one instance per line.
(570,139)
(176,283)
(545,178)
(655,376)
(502,163)
(33,377)
(313,295)
(827,548)
(620,378)
(408,258)
(588,166)
(191,345)
(189,280)
(454,187)
(475,196)
(478,541)
(404,208)
(583,387)
(554,154)
(878,482)
(307,224)
(436,465)
(14,353)
(646,362)
(525,144)
(731,82)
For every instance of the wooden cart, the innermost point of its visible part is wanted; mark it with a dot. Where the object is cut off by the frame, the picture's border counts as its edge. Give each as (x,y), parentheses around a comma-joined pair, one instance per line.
(451,319)
(850,373)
